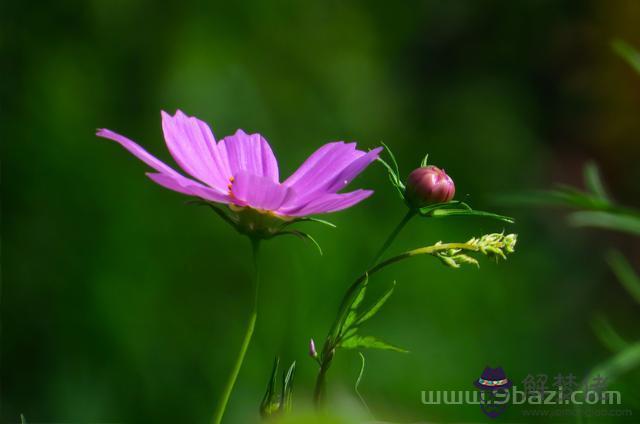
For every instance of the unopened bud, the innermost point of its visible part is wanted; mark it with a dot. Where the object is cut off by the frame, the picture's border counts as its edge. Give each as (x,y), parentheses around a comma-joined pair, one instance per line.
(427,185)
(312,349)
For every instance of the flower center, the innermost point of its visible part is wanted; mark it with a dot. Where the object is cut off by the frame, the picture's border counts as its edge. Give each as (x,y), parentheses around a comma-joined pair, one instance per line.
(230,186)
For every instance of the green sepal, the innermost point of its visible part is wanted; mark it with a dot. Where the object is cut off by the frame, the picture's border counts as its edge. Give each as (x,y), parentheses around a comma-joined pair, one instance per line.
(452,204)
(425,161)
(310,219)
(301,235)
(218,210)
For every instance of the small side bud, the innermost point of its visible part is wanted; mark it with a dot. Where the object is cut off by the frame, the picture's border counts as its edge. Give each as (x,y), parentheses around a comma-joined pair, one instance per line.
(510,242)
(427,185)
(312,349)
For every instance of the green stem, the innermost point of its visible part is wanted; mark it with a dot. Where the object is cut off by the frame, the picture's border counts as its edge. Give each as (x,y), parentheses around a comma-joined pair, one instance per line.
(403,222)
(410,214)
(320,389)
(226,394)
(328,350)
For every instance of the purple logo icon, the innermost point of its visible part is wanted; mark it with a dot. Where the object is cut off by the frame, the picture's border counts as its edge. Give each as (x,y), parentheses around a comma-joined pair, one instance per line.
(494,386)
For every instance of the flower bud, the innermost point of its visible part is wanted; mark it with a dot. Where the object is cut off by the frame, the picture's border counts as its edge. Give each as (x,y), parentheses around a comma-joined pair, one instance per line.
(312,349)
(429,184)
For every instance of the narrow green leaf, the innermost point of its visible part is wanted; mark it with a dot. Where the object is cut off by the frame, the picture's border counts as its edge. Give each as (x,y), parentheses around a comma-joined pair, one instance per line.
(301,235)
(562,196)
(593,181)
(217,209)
(347,328)
(453,204)
(270,401)
(23,420)
(625,274)
(349,332)
(357,300)
(390,171)
(607,220)
(368,314)
(607,334)
(393,158)
(628,53)
(441,213)
(393,171)
(616,366)
(624,361)
(369,342)
(359,380)
(287,389)
(425,160)
(353,308)
(311,219)
(456,207)
(394,178)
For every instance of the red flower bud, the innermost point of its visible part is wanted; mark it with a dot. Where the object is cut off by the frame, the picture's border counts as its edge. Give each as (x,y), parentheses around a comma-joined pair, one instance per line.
(427,185)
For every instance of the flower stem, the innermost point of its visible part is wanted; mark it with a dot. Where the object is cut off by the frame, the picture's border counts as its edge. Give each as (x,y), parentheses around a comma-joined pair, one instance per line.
(329,349)
(226,394)
(320,389)
(332,341)
(410,214)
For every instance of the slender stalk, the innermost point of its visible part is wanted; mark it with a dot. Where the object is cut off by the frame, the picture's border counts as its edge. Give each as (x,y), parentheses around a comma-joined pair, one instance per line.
(332,340)
(429,250)
(328,352)
(226,394)
(410,214)
(320,389)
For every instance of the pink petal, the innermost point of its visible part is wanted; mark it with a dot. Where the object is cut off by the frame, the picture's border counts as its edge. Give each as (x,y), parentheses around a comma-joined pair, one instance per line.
(259,192)
(329,203)
(353,170)
(137,151)
(193,147)
(322,167)
(250,153)
(186,186)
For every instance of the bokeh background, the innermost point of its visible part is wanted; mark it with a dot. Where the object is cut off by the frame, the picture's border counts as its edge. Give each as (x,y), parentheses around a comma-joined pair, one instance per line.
(122,304)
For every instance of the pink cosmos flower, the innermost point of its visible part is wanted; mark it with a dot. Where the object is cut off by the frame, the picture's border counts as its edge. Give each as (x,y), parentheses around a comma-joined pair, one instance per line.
(241,170)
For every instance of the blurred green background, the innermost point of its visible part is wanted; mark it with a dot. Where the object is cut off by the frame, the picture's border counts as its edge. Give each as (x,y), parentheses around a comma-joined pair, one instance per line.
(122,304)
